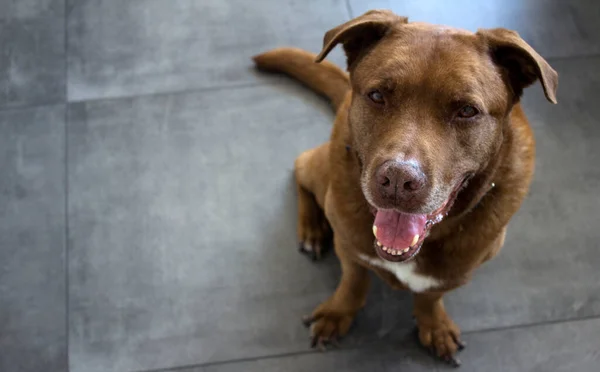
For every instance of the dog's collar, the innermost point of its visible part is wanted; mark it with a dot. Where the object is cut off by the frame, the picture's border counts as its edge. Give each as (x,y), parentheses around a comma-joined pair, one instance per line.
(490,188)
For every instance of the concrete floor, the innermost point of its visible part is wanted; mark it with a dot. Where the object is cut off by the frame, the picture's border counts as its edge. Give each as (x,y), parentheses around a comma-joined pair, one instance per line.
(147,209)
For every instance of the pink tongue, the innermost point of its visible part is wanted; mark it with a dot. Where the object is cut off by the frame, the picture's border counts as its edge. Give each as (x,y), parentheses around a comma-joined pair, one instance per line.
(397,230)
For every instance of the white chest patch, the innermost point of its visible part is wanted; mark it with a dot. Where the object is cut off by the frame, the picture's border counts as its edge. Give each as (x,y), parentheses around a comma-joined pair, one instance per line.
(405,272)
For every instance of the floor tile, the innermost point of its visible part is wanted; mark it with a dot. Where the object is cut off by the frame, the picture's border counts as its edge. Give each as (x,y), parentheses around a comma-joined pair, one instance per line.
(32,240)
(548,269)
(563,347)
(182,232)
(555,28)
(32,62)
(122,48)
(379,358)
(183,227)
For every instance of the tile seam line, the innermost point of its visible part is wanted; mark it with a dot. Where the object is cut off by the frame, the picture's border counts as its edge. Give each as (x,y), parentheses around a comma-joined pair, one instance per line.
(532,325)
(66,187)
(355,347)
(66,236)
(212,88)
(204,89)
(349,9)
(174,92)
(252,359)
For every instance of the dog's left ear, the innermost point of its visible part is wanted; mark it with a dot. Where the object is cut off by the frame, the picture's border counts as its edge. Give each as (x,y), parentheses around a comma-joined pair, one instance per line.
(523,64)
(360,33)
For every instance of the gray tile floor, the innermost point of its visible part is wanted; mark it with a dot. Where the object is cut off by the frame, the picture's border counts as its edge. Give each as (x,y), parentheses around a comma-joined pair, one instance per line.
(147,209)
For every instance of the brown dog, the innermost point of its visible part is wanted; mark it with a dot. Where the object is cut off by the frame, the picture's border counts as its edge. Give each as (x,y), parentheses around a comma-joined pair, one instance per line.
(429,157)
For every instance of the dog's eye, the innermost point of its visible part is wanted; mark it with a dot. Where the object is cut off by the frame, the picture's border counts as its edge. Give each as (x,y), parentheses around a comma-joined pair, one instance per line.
(376,97)
(467,112)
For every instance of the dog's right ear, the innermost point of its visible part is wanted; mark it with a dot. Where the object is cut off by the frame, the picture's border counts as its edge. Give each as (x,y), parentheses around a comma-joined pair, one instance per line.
(360,33)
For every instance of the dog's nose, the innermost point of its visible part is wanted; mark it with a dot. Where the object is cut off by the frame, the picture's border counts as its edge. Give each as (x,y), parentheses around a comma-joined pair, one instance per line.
(400,180)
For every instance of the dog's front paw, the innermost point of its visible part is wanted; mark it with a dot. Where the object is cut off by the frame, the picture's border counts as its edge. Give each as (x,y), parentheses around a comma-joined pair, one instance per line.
(327,326)
(442,337)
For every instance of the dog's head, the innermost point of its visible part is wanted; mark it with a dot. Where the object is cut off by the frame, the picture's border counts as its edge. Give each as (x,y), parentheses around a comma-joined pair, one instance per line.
(429,111)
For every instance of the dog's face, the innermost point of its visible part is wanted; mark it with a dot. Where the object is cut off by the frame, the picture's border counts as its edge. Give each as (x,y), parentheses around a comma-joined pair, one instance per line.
(428,112)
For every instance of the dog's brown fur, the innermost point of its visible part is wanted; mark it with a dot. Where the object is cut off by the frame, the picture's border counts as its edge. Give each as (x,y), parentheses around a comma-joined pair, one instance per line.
(423,69)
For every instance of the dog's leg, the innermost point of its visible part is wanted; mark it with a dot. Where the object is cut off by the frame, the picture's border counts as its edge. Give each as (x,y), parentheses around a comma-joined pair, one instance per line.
(311,170)
(332,319)
(436,330)
(313,228)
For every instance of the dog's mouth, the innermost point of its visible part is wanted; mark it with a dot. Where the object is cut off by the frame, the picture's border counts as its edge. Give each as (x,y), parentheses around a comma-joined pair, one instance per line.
(399,236)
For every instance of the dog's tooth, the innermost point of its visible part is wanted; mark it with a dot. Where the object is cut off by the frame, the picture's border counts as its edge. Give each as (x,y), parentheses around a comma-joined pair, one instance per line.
(394,253)
(378,243)
(375,230)
(385,249)
(415,240)
(405,250)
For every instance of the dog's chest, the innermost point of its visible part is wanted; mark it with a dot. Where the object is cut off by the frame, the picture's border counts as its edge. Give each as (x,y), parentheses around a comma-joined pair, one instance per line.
(405,272)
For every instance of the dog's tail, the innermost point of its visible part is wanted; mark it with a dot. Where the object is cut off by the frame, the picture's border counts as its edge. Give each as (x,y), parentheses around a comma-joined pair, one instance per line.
(325,78)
